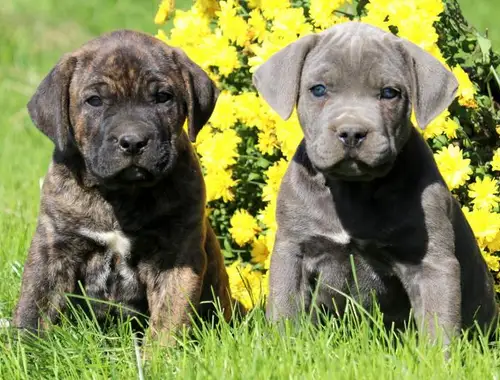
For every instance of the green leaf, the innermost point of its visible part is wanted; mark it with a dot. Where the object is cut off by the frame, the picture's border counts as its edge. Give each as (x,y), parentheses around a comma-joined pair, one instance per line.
(227,247)
(485,45)
(263,163)
(254,176)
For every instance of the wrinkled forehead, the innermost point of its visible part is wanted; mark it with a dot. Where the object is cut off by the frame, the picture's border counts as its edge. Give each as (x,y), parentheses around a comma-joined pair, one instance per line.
(128,63)
(368,57)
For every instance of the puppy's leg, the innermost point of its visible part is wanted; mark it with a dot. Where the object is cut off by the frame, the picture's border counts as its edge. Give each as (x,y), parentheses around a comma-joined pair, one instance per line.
(49,272)
(286,298)
(216,282)
(433,287)
(172,296)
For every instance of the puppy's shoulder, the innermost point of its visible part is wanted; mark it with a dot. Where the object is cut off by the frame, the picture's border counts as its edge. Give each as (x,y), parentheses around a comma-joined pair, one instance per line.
(68,202)
(302,183)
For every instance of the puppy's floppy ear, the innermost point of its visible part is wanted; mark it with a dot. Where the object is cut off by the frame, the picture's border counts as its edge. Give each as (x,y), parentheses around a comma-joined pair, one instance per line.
(433,86)
(278,79)
(202,94)
(49,106)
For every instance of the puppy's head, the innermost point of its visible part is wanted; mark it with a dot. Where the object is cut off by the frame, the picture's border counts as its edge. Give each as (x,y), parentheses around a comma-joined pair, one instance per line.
(354,86)
(120,102)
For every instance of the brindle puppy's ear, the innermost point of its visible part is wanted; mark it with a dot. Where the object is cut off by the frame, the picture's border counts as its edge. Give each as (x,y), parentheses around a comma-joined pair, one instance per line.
(49,106)
(202,94)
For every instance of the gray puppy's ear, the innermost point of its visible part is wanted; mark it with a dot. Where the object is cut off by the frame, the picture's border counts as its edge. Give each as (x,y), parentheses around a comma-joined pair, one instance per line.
(49,106)
(433,86)
(278,79)
(202,94)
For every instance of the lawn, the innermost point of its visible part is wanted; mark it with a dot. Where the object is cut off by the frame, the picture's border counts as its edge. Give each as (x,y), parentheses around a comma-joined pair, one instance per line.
(33,35)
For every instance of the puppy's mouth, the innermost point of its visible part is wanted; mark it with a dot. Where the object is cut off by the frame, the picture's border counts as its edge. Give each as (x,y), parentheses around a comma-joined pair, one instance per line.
(356,170)
(131,177)
(134,174)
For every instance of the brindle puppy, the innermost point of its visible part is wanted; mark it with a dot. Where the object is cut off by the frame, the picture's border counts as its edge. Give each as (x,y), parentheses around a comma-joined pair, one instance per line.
(122,208)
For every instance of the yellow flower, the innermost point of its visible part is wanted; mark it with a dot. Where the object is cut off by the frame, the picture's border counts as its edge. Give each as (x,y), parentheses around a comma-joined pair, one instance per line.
(267,141)
(454,168)
(274,176)
(414,19)
(495,162)
(190,27)
(441,124)
(289,134)
(164,11)
(218,52)
(257,25)
(220,151)
(485,224)
(246,284)
(162,36)
(466,89)
(288,25)
(208,7)
(492,261)
(219,184)
(494,244)
(484,193)
(224,116)
(321,12)
(246,108)
(265,283)
(243,227)
(233,26)
(422,34)
(271,8)
(268,218)
(259,250)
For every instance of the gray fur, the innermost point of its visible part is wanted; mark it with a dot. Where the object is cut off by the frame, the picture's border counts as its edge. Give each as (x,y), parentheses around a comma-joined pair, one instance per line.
(382,201)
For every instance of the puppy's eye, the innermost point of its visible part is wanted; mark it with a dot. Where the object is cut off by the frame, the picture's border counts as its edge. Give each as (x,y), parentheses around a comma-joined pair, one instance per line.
(389,93)
(94,101)
(318,91)
(163,97)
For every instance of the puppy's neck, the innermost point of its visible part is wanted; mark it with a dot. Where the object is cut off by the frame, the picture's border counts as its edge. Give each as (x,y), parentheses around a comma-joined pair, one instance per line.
(73,161)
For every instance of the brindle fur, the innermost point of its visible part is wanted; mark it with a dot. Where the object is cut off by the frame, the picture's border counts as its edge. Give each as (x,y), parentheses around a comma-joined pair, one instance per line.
(145,245)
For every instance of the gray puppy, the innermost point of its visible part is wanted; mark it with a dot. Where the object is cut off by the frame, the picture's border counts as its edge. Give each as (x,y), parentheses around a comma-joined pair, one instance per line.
(363,182)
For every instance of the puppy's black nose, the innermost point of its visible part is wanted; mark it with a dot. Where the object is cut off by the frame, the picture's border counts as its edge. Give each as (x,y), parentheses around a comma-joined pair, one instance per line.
(132,143)
(352,137)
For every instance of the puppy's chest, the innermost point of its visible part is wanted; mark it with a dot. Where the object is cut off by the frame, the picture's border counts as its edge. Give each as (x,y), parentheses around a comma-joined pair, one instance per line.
(390,236)
(110,272)
(392,227)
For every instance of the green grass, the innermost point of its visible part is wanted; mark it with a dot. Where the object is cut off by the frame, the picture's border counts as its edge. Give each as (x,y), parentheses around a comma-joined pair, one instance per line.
(483,14)
(352,348)
(33,35)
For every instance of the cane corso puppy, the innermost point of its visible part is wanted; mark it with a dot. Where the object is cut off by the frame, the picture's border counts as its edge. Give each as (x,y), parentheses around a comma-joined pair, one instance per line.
(363,187)
(122,215)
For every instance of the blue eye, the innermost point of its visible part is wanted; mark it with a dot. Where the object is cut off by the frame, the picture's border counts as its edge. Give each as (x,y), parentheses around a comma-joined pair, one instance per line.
(389,93)
(318,91)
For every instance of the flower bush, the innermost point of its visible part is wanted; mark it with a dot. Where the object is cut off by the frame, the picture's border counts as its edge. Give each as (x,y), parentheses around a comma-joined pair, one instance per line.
(245,148)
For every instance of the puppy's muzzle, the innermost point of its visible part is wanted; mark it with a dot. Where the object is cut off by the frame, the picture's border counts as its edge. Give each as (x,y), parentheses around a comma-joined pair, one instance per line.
(131,139)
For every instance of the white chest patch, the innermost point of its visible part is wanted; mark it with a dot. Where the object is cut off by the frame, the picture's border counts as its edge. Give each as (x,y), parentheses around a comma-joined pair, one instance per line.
(341,237)
(115,241)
